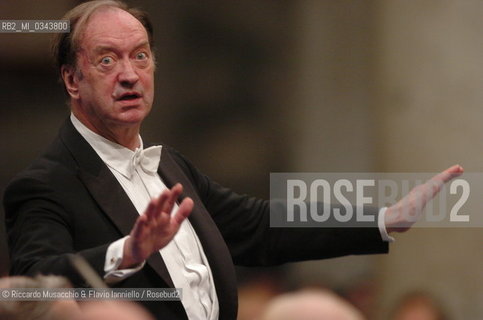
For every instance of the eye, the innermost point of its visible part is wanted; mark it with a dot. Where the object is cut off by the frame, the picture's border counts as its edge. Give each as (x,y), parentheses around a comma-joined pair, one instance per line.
(107,61)
(141,56)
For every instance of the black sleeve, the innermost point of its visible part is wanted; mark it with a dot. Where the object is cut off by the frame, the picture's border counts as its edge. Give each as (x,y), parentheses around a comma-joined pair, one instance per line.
(41,232)
(244,223)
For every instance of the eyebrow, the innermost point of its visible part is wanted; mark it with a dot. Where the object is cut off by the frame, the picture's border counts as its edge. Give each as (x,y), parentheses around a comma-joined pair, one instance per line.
(107,48)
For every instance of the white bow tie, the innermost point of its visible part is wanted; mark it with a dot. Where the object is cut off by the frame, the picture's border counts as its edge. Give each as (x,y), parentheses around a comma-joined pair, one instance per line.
(147,159)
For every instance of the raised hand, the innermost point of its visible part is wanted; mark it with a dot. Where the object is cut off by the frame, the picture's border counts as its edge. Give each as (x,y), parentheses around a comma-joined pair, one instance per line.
(402,215)
(156,227)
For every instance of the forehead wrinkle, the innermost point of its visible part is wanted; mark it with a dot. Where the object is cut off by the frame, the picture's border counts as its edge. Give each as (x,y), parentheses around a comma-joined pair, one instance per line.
(112,27)
(101,48)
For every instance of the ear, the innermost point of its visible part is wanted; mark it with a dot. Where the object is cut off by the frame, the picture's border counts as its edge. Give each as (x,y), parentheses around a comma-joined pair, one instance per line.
(71,80)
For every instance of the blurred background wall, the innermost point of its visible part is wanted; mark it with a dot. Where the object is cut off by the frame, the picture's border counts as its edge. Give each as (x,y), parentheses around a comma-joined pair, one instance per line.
(245,88)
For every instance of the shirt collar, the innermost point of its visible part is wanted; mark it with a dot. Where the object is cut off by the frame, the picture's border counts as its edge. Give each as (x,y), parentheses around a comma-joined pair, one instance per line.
(115,156)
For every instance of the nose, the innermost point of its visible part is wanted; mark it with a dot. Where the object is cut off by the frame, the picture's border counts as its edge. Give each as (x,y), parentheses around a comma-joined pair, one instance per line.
(128,75)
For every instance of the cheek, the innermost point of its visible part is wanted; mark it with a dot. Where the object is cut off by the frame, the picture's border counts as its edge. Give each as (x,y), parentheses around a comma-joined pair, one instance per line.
(148,81)
(148,86)
(105,88)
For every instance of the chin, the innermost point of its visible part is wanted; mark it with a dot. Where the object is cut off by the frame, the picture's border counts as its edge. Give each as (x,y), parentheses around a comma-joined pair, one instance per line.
(133,116)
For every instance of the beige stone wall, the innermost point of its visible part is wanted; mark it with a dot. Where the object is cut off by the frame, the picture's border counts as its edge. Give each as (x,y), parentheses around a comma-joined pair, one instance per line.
(394,85)
(331,111)
(430,112)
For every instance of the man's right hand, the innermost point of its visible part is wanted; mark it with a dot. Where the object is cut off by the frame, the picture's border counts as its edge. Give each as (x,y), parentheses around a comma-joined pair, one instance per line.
(156,227)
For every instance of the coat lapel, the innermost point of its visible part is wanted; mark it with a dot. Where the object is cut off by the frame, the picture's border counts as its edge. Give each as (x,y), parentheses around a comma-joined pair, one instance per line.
(107,191)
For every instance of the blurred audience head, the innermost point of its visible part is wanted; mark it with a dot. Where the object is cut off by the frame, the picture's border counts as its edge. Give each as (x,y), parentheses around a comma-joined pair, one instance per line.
(64,309)
(310,305)
(113,310)
(418,306)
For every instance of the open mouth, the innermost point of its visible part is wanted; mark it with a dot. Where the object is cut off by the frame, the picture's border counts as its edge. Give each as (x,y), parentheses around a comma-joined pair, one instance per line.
(129,96)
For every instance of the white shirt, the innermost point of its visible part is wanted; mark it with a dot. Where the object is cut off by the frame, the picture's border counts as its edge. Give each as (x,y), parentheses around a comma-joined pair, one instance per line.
(184,256)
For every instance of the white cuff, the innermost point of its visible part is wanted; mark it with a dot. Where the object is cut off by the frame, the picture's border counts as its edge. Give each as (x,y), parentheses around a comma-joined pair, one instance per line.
(113,261)
(382,226)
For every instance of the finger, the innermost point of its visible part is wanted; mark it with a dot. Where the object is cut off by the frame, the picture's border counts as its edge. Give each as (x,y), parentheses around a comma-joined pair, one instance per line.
(162,219)
(150,210)
(184,210)
(433,186)
(158,204)
(175,193)
(448,174)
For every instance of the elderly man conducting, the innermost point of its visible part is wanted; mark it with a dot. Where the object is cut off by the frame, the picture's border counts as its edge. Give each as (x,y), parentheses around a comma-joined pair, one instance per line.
(141,217)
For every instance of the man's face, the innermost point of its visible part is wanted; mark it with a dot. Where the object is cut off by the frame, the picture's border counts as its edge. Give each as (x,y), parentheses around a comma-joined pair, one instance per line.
(115,70)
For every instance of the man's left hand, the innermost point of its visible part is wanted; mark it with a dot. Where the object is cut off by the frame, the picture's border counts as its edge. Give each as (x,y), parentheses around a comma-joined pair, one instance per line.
(402,215)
